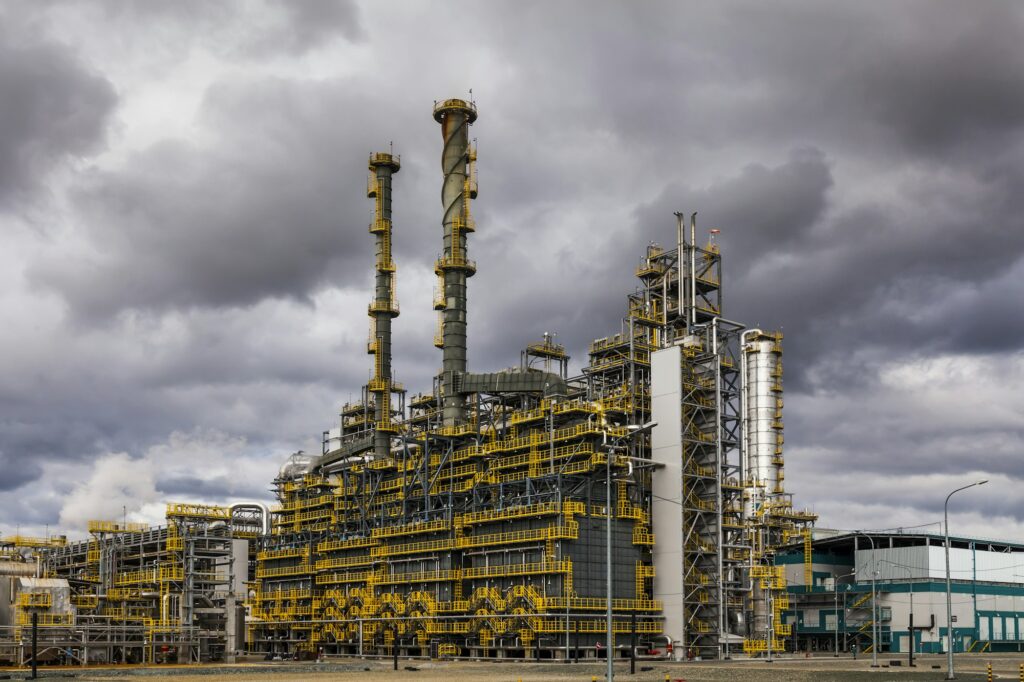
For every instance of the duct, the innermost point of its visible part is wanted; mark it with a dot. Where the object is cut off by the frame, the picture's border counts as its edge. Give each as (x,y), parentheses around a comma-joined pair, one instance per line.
(342,453)
(548,383)
(260,507)
(455,117)
(17,568)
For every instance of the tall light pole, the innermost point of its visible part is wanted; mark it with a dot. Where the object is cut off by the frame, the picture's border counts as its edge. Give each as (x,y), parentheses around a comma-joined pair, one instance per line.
(949,591)
(910,582)
(835,590)
(874,603)
(634,431)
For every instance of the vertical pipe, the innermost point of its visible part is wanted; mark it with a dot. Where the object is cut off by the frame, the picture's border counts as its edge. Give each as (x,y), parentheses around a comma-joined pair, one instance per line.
(383,308)
(693,270)
(720,454)
(35,641)
(455,117)
(682,275)
(608,559)
(632,644)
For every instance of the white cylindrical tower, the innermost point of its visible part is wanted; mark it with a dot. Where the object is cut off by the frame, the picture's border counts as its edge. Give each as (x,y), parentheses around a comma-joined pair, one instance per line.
(762,415)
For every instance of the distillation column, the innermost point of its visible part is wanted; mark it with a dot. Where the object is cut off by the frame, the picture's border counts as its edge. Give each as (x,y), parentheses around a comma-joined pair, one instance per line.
(384,307)
(453,267)
(762,417)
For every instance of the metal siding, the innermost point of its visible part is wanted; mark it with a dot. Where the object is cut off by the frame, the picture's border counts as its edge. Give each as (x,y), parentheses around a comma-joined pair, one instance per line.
(890,563)
(1001,567)
(667,509)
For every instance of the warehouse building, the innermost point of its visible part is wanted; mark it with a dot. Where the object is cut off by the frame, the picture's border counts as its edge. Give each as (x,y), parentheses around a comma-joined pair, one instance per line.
(909,572)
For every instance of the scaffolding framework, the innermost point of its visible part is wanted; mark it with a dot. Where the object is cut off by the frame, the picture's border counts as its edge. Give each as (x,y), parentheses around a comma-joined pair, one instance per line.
(135,593)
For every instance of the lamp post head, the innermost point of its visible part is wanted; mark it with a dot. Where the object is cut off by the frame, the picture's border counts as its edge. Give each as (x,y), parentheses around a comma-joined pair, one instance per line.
(636,429)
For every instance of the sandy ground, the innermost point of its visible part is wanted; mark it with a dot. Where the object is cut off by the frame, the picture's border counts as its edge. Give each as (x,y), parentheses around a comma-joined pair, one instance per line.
(823,669)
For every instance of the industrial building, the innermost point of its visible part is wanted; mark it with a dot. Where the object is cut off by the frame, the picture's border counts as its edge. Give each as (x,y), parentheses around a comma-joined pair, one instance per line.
(132,593)
(834,610)
(473,518)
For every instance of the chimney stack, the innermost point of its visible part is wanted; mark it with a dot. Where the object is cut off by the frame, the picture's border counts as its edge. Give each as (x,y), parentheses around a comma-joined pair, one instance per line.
(453,267)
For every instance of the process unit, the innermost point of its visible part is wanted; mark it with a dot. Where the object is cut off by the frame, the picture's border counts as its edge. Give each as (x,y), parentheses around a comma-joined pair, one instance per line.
(471,520)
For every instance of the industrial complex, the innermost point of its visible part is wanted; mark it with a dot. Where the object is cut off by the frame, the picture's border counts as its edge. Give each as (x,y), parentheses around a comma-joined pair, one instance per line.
(518,513)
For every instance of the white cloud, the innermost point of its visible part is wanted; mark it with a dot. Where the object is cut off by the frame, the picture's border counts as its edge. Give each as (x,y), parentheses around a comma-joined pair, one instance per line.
(117,486)
(204,466)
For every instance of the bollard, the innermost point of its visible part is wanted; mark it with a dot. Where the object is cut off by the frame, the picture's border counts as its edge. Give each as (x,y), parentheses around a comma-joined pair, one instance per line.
(988,668)
(1022,672)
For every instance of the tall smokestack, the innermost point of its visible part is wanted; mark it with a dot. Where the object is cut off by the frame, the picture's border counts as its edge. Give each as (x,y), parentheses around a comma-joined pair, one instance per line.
(384,307)
(453,267)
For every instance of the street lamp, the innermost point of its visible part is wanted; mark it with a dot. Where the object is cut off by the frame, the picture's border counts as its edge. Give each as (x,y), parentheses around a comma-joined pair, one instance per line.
(835,590)
(634,430)
(949,592)
(874,602)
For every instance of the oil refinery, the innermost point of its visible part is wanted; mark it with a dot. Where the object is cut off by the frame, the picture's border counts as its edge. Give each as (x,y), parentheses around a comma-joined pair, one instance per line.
(473,519)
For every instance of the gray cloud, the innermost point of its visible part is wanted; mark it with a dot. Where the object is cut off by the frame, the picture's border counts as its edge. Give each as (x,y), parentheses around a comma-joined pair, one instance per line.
(310,24)
(863,165)
(267,210)
(16,471)
(52,108)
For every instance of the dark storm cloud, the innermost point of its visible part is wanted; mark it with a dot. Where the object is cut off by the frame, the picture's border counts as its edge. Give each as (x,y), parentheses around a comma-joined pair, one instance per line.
(311,23)
(862,163)
(210,488)
(954,79)
(52,108)
(267,211)
(237,28)
(16,471)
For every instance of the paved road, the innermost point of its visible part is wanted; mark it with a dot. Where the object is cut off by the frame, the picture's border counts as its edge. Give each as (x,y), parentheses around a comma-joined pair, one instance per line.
(824,669)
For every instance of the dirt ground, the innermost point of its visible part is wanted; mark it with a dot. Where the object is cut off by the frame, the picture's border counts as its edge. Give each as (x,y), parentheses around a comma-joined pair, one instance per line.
(823,669)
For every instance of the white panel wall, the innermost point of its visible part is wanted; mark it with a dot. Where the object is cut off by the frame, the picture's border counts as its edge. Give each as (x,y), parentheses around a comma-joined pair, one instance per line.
(930,562)
(890,563)
(667,508)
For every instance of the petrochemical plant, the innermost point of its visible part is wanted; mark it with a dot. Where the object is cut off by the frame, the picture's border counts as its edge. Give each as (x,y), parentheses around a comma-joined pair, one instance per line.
(473,520)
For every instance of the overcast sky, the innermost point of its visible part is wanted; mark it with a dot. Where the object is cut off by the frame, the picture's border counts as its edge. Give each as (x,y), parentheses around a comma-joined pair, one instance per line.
(186,264)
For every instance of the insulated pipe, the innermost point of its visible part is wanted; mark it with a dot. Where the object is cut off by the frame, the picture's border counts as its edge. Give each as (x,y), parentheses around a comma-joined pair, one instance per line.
(455,117)
(17,568)
(383,308)
(260,507)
